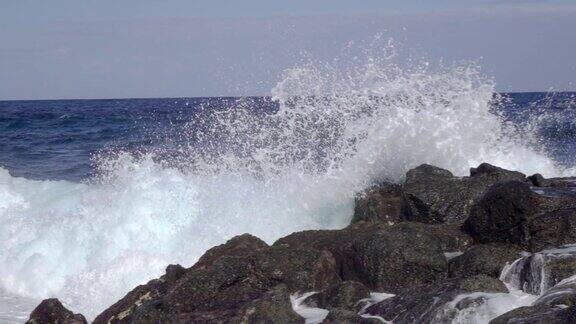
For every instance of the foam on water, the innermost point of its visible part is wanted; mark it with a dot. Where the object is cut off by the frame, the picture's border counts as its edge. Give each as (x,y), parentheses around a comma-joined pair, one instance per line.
(337,131)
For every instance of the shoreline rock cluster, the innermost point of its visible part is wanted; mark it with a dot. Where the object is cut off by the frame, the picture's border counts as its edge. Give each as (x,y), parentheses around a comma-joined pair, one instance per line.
(437,242)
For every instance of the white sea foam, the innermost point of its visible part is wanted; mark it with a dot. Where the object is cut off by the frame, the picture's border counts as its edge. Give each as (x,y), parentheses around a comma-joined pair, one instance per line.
(336,132)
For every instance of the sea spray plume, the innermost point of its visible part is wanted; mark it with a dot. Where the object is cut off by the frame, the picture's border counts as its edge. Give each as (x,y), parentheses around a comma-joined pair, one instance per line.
(235,170)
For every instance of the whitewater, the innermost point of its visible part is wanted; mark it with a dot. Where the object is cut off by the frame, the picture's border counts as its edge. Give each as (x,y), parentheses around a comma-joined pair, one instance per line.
(337,131)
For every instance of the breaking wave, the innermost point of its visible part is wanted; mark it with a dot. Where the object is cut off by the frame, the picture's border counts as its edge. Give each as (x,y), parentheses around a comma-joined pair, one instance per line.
(237,170)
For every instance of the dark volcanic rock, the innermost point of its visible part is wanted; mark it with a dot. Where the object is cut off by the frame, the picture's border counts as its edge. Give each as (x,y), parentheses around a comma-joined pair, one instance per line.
(51,311)
(486,259)
(231,287)
(239,245)
(435,195)
(551,229)
(512,213)
(343,316)
(344,295)
(384,258)
(403,256)
(273,307)
(382,203)
(424,304)
(539,181)
(501,215)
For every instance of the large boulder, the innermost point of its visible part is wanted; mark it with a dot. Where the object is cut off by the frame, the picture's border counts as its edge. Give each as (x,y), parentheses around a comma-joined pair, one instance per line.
(381,203)
(484,259)
(512,213)
(435,195)
(384,258)
(400,257)
(242,287)
(239,245)
(425,304)
(51,311)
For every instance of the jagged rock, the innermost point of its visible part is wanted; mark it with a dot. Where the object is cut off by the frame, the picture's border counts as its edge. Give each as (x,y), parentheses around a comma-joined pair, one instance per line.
(384,258)
(344,316)
(434,195)
(239,245)
(512,213)
(344,295)
(273,307)
(382,203)
(422,304)
(227,288)
(486,259)
(51,311)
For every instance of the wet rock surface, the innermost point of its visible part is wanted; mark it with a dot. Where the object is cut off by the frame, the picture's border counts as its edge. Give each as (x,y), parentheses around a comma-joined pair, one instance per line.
(52,311)
(421,304)
(344,295)
(434,240)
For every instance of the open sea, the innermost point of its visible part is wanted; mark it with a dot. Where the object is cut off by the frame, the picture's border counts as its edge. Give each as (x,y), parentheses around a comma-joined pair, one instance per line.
(98,196)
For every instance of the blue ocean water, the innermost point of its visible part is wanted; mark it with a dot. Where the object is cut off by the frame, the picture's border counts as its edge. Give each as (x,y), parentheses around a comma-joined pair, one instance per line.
(98,196)
(57,139)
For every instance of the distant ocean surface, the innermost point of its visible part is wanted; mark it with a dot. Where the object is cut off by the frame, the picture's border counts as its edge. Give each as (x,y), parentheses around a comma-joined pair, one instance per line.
(57,139)
(97,196)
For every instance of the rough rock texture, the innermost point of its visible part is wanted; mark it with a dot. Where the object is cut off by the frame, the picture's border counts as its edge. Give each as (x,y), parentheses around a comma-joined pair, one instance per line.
(435,195)
(344,295)
(239,245)
(502,213)
(384,258)
(512,213)
(551,229)
(382,203)
(224,289)
(343,316)
(486,259)
(422,303)
(51,311)
(403,256)
(273,307)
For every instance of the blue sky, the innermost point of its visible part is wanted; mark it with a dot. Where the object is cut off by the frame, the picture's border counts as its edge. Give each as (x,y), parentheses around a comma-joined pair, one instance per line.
(128,48)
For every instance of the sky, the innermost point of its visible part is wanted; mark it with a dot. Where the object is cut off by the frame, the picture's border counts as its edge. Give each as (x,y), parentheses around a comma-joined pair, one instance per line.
(179,48)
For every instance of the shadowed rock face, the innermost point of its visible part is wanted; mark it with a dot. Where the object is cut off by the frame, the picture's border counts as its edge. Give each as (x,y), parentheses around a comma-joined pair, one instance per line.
(435,195)
(421,304)
(512,213)
(52,311)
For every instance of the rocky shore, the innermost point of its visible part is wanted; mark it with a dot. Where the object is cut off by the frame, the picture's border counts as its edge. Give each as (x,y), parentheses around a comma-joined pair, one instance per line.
(494,246)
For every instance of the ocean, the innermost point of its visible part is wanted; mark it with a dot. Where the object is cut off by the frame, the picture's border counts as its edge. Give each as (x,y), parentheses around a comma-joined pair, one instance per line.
(98,196)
